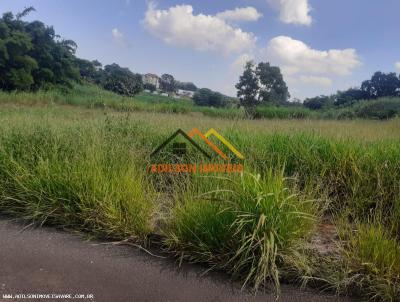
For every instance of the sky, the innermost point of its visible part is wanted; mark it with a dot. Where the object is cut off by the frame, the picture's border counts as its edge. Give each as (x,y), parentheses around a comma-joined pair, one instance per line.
(321,46)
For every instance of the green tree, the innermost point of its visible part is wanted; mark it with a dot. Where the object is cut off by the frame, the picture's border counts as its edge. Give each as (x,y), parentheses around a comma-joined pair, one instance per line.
(97,65)
(32,56)
(317,103)
(381,85)
(121,80)
(55,57)
(248,89)
(272,87)
(89,70)
(350,96)
(261,84)
(167,83)
(16,65)
(186,86)
(207,97)
(150,87)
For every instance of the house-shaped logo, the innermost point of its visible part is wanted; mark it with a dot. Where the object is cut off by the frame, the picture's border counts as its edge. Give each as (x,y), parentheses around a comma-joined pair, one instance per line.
(180,148)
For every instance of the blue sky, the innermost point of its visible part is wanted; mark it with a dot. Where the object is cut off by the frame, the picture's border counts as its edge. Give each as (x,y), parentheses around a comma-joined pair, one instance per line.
(321,46)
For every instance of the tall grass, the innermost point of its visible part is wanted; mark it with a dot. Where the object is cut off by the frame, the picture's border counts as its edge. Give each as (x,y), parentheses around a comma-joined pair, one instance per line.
(373,256)
(254,228)
(92,96)
(352,174)
(285,112)
(75,178)
(85,169)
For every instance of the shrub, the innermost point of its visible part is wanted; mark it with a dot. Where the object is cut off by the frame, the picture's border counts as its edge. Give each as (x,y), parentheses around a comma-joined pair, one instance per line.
(252,227)
(379,109)
(373,256)
(207,97)
(73,178)
(121,80)
(317,103)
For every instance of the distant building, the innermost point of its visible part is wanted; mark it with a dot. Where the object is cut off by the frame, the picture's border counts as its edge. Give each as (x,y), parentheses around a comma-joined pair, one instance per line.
(187,93)
(150,78)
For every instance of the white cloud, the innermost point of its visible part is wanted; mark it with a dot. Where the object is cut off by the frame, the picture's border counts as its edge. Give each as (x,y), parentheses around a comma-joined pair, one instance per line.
(179,26)
(316,81)
(240,14)
(117,34)
(119,38)
(293,11)
(295,57)
(397,65)
(306,69)
(240,62)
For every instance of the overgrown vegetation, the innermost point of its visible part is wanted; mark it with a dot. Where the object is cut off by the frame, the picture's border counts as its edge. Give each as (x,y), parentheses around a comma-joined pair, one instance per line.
(73,177)
(31,55)
(377,98)
(92,96)
(64,164)
(252,227)
(83,169)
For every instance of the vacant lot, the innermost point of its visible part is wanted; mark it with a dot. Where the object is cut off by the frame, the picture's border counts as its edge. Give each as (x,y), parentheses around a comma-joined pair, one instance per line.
(319,202)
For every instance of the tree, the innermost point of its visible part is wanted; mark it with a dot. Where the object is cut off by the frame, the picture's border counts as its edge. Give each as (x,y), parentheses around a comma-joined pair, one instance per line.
(150,87)
(272,87)
(350,96)
(167,83)
(207,97)
(186,86)
(87,69)
(25,12)
(248,89)
(97,65)
(262,84)
(32,56)
(379,109)
(90,70)
(121,80)
(381,85)
(16,66)
(317,103)
(55,56)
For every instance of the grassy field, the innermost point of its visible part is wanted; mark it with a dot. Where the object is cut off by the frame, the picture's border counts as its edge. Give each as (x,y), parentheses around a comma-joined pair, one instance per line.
(82,166)
(92,96)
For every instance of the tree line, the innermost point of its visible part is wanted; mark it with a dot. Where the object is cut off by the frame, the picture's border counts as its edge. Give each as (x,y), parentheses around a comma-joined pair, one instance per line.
(263,84)
(33,56)
(380,85)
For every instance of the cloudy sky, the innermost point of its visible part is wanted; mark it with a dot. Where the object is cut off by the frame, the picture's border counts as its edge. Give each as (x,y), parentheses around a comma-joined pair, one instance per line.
(320,45)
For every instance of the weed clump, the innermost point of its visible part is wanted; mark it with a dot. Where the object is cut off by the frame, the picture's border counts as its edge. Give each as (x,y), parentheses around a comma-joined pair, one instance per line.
(254,228)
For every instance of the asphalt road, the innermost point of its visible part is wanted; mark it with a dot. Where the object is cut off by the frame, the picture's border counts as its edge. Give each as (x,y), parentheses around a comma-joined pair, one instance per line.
(47,261)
